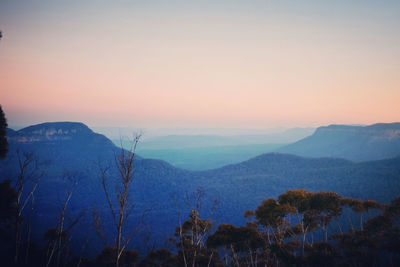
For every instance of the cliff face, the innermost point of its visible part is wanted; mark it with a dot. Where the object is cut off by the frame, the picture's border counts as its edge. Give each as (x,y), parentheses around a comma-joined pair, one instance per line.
(65,134)
(387,131)
(57,131)
(358,143)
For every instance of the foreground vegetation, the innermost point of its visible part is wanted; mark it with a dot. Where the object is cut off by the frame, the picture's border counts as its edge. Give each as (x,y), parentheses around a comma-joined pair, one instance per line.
(299,228)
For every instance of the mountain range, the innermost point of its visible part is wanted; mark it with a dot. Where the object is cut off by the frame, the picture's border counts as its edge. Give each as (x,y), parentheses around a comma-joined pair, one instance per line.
(68,147)
(205,151)
(356,143)
(202,152)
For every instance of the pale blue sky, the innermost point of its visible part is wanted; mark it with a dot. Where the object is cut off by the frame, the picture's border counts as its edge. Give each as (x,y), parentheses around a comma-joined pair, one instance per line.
(240,64)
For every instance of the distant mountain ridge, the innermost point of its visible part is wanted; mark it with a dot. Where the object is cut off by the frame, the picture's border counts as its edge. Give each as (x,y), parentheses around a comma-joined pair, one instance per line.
(204,152)
(198,141)
(357,143)
(206,158)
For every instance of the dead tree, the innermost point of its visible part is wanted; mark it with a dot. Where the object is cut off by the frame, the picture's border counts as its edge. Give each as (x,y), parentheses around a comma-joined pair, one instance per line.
(58,236)
(122,207)
(28,171)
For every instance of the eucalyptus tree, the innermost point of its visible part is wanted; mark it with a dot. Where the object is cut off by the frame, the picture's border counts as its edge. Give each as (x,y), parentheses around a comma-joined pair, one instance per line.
(119,202)
(29,172)
(59,237)
(324,206)
(242,244)
(299,199)
(191,235)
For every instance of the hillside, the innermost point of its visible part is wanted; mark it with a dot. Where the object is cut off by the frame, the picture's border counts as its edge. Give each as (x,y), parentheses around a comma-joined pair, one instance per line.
(66,147)
(273,173)
(357,143)
(210,157)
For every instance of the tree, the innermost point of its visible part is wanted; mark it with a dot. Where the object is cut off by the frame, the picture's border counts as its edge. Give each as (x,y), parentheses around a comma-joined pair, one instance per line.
(160,257)
(324,206)
(299,199)
(191,235)
(377,243)
(122,207)
(244,241)
(3,129)
(58,237)
(107,257)
(29,172)
(273,217)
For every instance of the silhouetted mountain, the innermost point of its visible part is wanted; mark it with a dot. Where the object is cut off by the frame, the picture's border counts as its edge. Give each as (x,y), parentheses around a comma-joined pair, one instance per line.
(72,147)
(358,143)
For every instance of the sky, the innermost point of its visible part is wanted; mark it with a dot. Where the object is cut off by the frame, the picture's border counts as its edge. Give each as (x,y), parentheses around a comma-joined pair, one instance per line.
(215,64)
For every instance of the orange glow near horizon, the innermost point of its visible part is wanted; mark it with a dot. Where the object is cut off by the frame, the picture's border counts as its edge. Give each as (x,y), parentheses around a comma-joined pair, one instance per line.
(151,67)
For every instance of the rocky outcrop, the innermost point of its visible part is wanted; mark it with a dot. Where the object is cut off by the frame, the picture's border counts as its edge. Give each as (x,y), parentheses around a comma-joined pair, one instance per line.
(56,132)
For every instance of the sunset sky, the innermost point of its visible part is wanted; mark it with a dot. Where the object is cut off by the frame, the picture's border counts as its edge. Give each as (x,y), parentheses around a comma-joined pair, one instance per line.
(241,64)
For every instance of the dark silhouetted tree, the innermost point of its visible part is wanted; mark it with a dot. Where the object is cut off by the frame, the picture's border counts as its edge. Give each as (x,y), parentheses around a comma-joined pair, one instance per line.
(3,129)
(106,258)
(157,258)
(244,241)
